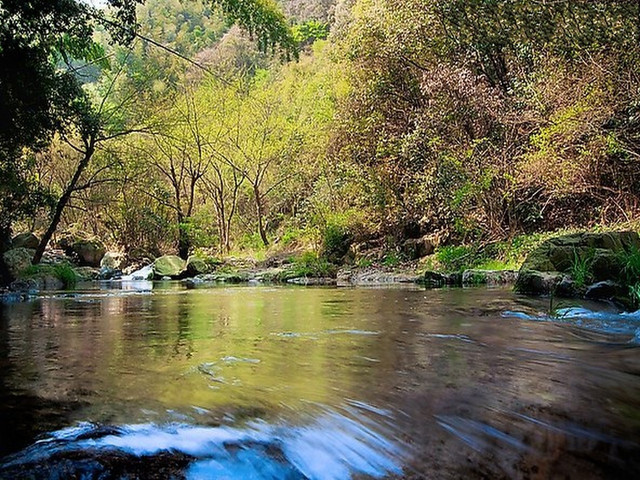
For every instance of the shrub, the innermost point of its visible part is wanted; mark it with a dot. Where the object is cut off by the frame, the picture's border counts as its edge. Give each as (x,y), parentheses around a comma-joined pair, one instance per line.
(63,272)
(310,264)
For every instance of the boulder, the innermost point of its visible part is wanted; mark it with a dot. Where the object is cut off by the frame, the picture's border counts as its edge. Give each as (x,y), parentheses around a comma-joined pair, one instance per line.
(17,260)
(169,266)
(25,240)
(87,252)
(545,267)
(606,290)
(197,266)
(533,282)
(112,260)
(437,279)
(415,248)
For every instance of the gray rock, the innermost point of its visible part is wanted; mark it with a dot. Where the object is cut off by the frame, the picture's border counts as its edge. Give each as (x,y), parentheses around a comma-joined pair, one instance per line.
(415,248)
(87,273)
(17,260)
(533,282)
(30,285)
(88,252)
(308,281)
(567,288)
(489,277)
(606,290)
(25,240)
(112,261)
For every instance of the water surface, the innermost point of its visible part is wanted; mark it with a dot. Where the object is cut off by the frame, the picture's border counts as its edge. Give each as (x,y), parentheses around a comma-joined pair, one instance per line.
(261,382)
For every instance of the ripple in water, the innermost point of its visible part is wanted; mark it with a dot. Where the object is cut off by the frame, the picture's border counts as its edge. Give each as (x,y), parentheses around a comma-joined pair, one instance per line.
(625,323)
(336,444)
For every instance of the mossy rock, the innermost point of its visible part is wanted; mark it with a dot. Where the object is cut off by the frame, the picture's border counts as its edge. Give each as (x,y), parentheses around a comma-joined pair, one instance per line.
(169,266)
(18,260)
(197,266)
(558,254)
(555,258)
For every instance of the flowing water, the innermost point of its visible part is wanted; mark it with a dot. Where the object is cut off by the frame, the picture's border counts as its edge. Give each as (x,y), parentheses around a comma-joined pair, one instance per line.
(316,383)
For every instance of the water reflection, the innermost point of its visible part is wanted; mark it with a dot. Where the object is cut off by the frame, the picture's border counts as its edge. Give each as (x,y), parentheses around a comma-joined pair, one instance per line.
(469,391)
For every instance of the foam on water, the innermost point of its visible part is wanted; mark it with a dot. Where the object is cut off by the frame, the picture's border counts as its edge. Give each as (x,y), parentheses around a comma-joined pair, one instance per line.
(333,445)
(616,323)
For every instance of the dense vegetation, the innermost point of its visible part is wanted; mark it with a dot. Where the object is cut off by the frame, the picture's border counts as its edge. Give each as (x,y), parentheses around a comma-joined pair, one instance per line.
(366,122)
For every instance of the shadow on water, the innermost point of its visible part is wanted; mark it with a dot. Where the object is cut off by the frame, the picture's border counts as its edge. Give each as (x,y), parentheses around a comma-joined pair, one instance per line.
(260,382)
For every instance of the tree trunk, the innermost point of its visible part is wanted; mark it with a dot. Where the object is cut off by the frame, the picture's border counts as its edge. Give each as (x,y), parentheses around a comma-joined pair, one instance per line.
(64,200)
(184,244)
(260,213)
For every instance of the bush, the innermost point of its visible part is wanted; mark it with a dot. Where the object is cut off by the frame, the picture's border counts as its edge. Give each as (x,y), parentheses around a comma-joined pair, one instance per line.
(309,264)
(456,258)
(63,272)
(336,241)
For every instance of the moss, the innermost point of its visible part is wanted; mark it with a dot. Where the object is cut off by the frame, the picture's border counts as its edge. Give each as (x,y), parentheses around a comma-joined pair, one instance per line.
(62,271)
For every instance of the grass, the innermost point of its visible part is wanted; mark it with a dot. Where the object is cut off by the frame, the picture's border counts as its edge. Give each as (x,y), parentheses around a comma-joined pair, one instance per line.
(581,269)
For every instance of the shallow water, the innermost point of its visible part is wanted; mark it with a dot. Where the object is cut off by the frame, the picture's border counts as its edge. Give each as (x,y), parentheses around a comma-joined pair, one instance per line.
(318,383)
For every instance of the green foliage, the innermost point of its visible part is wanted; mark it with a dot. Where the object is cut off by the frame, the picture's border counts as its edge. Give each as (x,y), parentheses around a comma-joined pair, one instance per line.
(308,32)
(634,294)
(455,258)
(310,264)
(336,241)
(630,265)
(391,259)
(581,269)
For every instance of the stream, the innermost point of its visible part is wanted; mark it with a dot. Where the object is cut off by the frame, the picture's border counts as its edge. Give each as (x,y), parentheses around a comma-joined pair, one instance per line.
(144,380)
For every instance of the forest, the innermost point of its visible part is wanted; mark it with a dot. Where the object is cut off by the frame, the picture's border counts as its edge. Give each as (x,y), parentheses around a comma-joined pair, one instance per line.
(338,128)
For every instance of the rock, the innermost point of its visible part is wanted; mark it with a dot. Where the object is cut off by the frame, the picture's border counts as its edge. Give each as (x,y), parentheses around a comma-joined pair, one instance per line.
(533,282)
(489,277)
(373,276)
(197,266)
(50,282)
(567,288)
(30,285)
(559,253)
(556,257)
(606,290)
(415,248)
(107,273)
(112,261)
(86,274)
(88,253)
(169,266)
(17,260)
(437,279)
(25,240)
(309,281)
